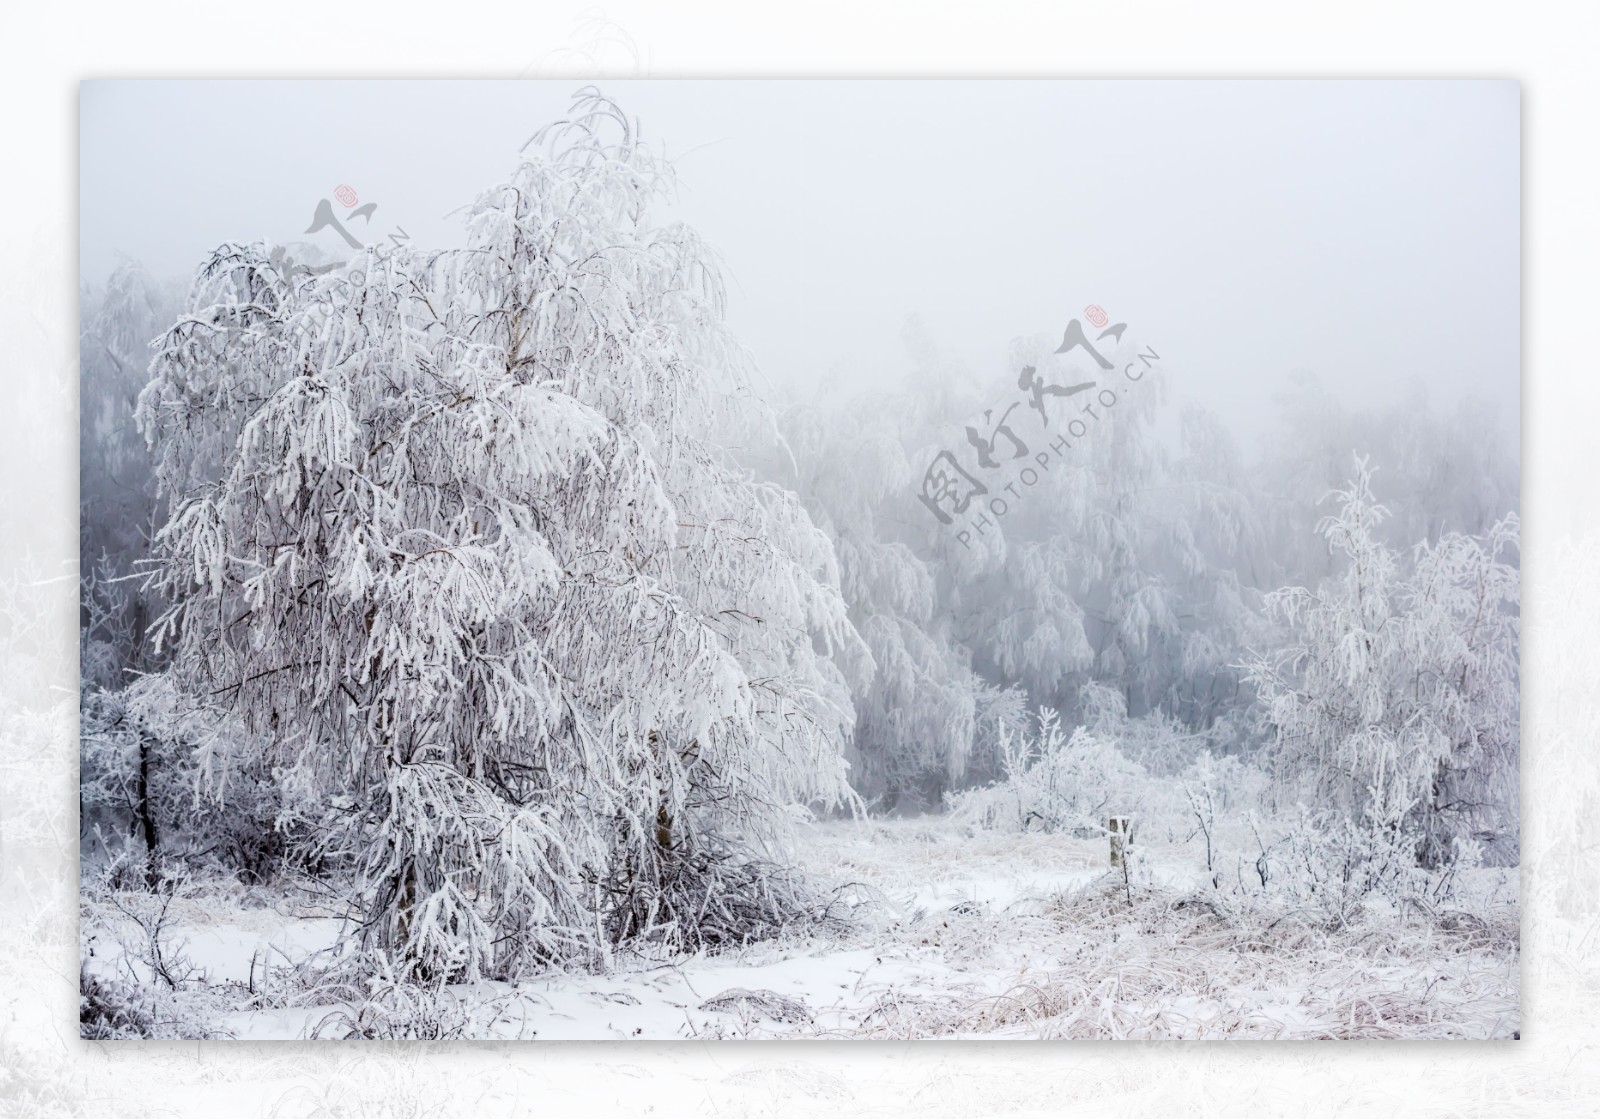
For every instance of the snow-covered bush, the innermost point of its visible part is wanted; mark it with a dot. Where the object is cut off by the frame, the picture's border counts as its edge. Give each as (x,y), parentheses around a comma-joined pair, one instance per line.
(385,1006)
(1055,782)
(137,978)
(129,791)
(1329,866)
(1052,781)
(1155,740)
(111,1009)
(458,540)
(996,709)
(1221,797)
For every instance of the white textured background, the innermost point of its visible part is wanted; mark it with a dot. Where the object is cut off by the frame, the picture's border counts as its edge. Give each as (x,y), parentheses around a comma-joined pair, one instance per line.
(1551,49)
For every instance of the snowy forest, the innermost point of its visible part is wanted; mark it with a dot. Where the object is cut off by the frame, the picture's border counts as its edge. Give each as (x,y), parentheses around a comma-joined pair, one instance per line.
(475,645)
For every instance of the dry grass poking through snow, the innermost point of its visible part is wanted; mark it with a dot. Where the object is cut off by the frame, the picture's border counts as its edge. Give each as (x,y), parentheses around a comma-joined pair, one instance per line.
(1162,960)
(954,935)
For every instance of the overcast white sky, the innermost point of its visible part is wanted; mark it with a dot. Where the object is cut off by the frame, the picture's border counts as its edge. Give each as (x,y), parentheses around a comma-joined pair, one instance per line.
(1365,231)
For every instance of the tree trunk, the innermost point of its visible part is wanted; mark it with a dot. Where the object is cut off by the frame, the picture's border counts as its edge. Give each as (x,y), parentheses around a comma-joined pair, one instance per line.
(147,820)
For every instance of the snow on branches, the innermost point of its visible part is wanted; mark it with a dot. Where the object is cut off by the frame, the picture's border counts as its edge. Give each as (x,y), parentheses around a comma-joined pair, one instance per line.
(456,536)
(1396,695)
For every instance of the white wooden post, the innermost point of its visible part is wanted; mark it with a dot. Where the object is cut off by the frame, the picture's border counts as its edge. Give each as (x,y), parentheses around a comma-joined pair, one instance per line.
(1118,828)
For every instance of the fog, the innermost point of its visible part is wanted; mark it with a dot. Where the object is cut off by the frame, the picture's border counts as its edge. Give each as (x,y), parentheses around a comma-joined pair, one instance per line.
(1135,465)
(1366,232)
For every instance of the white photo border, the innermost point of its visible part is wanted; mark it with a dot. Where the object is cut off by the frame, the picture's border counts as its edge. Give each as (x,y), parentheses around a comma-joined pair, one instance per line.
(1550,49)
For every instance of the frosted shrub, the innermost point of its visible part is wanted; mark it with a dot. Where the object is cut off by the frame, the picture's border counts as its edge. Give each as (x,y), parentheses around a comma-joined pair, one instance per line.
(1155,740)
(1054,782)
(1329,866)
(111,1009)
(128,792)
(997,709)
(384,1007)
(1220,796)
(137,978)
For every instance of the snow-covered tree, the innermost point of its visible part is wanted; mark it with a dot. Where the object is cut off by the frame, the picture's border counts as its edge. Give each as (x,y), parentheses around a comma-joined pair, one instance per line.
(1123,566)
(921,709)
(117,503)
(1396,698)
(457,537)
(1444,471)
(1213,553)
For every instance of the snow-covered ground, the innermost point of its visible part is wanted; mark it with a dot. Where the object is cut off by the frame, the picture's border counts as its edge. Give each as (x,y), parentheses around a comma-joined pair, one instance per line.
(958,935)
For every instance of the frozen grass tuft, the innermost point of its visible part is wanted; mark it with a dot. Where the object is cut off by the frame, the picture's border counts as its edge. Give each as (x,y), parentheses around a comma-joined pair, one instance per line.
(760,1003)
